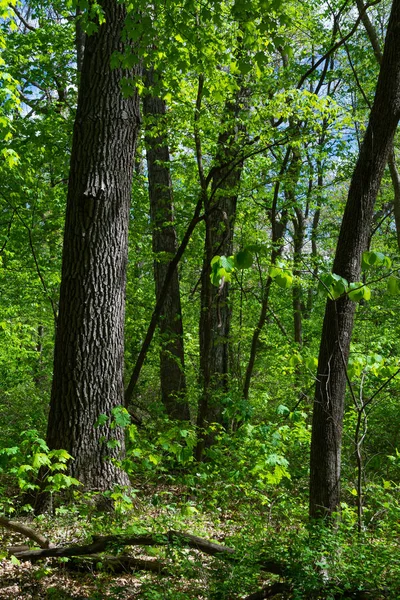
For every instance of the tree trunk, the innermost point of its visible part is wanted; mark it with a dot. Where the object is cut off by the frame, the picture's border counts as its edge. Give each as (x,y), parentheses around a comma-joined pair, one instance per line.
(172,361)
(278,227)
(215,311)
(394,173)
(89,347)
(297,300)
(339,316)
(314,232)
(299,226)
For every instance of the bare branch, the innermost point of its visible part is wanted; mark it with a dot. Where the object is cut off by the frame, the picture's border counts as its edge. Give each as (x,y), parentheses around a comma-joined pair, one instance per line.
(27,531)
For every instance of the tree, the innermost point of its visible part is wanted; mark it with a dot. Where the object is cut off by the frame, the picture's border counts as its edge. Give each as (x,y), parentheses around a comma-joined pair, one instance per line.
(172,358)
(215,309)
(327,425)
(88,359)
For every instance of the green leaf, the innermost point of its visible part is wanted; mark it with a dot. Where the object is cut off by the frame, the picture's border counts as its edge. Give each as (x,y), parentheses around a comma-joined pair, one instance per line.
(215,278)
(284,280)
(228,263)
(274,271)
(244,66)
(295,360)
(375,259)
(102,420)
(393,285)
(311,363)
(121,416)
(243,259)
(112,444)
(40,460)
(358,291)
(332,285)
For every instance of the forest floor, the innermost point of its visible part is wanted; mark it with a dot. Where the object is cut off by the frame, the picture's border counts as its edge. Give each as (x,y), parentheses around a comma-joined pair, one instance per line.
(317,563)
(192,575)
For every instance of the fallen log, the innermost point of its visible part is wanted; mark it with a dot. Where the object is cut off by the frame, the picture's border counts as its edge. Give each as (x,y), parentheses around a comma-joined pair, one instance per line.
(185,539)
(101,543)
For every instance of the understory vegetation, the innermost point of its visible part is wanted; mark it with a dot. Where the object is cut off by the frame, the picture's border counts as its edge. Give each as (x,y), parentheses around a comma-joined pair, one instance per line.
(162,392)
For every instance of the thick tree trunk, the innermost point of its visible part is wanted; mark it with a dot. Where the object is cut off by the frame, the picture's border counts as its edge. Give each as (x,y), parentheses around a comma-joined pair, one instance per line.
(89,347)
(339,316)
(172,361)
(215,311)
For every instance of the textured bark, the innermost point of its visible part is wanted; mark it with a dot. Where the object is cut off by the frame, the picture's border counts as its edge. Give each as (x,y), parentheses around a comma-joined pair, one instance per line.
(89,346)
(215,311)
(172,359)
(394,173)
(339,316)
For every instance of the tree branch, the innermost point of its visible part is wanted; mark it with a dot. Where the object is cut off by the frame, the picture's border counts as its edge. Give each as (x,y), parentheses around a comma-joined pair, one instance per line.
(27,531)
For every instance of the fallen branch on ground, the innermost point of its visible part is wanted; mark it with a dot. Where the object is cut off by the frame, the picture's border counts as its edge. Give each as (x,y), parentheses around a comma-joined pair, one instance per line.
(88,556)
(101,543)
(26,531)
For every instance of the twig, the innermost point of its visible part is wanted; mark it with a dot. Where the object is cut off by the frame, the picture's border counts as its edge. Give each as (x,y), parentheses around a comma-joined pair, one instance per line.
(335,46)
(22,18)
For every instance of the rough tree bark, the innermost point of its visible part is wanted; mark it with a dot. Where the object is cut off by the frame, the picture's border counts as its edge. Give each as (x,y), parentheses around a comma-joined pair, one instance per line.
(172,359)
(215,311)
(394,173)
(89,346)
(325,461)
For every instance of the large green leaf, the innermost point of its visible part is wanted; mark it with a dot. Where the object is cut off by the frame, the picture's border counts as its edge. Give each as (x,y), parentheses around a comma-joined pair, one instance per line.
(244,259)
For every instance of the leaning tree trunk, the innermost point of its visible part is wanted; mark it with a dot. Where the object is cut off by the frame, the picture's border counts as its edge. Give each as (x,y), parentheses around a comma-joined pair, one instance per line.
(89,347)
(394,173)
(339,316)
(172,360)
(215,311)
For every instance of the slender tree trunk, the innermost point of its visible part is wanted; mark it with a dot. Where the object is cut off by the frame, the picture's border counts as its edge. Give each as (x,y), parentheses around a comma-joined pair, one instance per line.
(215,312)
(325,462)
(89,347)
(172,360)
(278,229)
(314,230)
(298,221)
(298,241)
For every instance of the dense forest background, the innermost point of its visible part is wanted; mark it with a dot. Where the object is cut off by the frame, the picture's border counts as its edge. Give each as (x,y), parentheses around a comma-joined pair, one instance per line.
(199,275)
